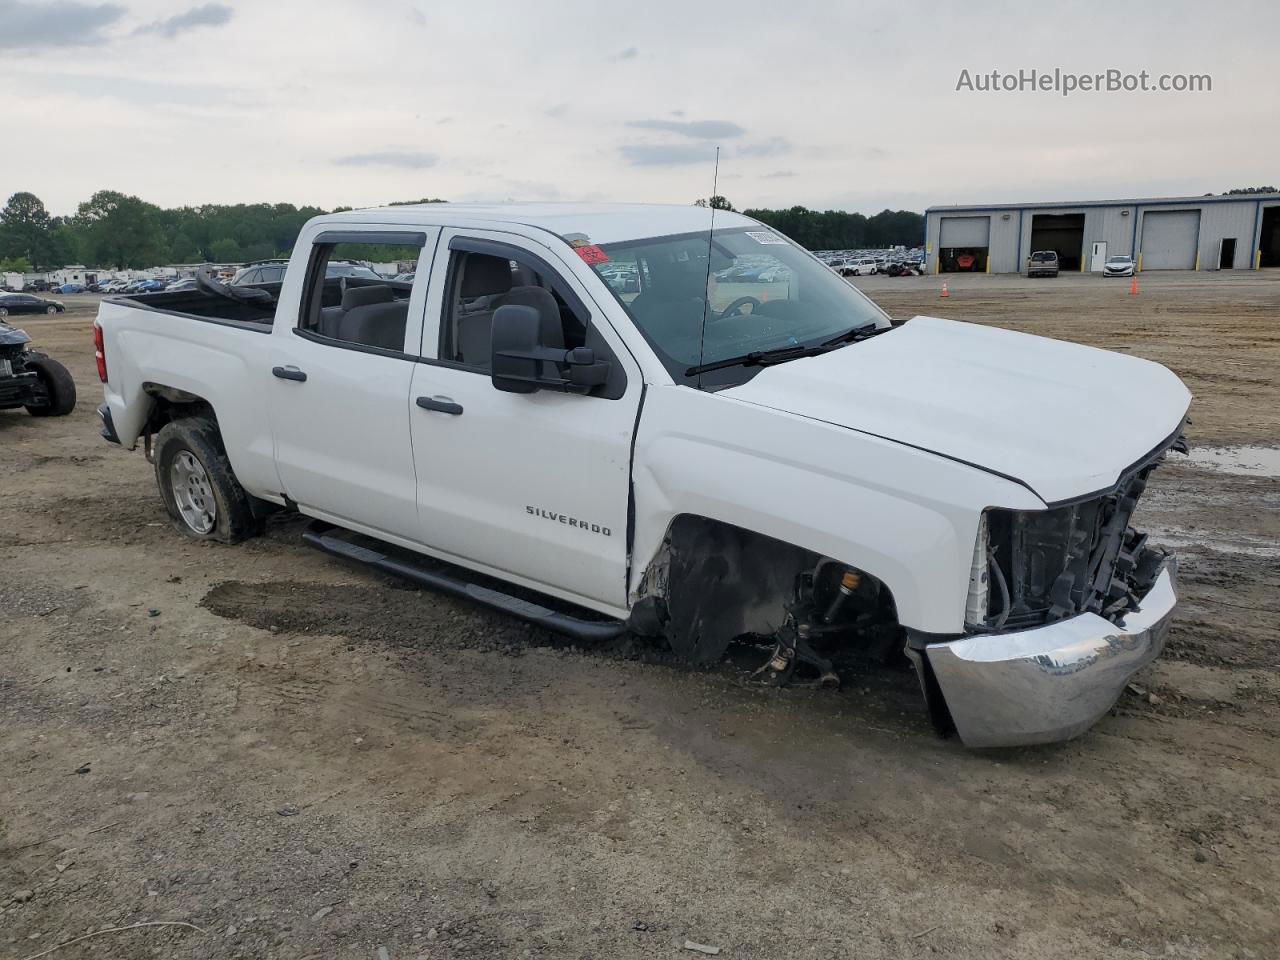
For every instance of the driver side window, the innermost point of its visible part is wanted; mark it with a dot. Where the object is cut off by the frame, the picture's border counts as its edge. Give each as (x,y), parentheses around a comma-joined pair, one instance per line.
(481,282)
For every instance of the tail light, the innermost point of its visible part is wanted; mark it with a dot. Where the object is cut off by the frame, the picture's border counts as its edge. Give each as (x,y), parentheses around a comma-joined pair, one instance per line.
(99,353)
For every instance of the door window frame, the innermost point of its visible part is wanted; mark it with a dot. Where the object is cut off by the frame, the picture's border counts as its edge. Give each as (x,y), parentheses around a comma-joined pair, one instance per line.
(561,280)
(324,242)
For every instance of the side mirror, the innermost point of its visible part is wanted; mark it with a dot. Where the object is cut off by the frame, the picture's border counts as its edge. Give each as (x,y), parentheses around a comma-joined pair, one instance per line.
(513,363)
(521,363)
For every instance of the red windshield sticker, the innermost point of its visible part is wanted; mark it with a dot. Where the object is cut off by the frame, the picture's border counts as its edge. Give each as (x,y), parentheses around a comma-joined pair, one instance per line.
(592,254)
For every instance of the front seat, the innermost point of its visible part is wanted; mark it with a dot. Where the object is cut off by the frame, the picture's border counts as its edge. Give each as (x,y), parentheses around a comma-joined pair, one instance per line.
(490,277)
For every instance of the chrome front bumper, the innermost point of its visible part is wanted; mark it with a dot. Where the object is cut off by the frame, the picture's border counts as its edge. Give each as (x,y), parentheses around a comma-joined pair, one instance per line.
(1054,682)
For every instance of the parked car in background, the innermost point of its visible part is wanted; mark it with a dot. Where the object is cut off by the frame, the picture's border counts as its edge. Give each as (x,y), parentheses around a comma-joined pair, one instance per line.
(71,288)
(154,285)
(1118,266)
(187,283)
(115,286)
(14,303)
(901,268)
(863,267)
(266,271)
(1042,263)
(272,271)
(38,286)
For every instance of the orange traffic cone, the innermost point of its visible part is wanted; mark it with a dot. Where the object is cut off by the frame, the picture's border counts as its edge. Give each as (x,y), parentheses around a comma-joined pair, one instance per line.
(1133,284)
(944,293)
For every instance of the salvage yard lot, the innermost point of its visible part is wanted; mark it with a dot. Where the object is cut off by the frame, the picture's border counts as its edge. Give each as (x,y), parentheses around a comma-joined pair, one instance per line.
(305,760)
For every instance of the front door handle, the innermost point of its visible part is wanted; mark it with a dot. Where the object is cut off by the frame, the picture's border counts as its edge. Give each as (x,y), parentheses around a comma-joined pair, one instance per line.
(442,404)
(289,373)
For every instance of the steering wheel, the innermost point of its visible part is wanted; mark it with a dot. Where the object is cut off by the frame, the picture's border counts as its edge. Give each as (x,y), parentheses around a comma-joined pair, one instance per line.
(206,282)
(735,309)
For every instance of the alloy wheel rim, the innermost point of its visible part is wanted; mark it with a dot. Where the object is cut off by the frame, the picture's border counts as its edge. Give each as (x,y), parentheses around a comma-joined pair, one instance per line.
(193,493)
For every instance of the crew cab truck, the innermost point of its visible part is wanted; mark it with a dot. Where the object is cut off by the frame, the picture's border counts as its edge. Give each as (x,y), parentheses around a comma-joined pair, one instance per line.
(676,455)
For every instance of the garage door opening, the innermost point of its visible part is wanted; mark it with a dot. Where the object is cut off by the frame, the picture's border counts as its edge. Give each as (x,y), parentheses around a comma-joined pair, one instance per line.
(1170,239)
(1269,242)
(1063,233)
(963,243)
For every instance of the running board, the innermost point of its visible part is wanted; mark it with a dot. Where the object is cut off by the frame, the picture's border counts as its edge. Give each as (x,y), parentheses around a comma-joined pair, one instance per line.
(318,536)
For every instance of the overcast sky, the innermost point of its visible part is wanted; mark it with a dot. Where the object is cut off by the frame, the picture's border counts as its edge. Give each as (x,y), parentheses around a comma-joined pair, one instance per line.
(827,104)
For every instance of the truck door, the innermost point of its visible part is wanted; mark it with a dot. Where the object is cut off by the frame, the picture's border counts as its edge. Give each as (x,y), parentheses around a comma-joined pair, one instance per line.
(338,374)
(532,487)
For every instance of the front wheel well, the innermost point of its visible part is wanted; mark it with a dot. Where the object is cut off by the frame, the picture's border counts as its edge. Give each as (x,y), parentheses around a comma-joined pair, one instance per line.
(712,582)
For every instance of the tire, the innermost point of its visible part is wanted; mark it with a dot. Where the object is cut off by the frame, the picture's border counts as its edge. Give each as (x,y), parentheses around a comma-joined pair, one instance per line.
(58,383)
(199,489)
(4,311)
(51,310)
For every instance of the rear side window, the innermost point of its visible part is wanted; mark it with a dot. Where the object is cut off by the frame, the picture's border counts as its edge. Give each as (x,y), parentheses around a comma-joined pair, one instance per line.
(350,296)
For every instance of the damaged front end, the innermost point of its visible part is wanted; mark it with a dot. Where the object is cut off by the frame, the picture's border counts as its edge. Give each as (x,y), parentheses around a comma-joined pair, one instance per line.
(1065,604)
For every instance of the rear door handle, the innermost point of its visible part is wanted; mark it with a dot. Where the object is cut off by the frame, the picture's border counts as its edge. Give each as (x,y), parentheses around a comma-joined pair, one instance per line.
(289,373)
(442,404)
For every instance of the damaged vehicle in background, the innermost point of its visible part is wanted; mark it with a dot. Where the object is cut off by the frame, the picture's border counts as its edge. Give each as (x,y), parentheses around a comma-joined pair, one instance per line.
(32,379)
(701,455)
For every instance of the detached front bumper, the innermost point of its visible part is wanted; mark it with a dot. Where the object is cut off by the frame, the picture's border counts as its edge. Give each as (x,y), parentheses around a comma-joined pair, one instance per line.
(1053,682)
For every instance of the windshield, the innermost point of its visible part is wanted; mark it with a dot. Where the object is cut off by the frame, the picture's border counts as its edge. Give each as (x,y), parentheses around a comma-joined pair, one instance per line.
(763,291)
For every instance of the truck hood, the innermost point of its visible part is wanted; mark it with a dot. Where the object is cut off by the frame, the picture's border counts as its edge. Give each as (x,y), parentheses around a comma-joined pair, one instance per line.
(1063,419)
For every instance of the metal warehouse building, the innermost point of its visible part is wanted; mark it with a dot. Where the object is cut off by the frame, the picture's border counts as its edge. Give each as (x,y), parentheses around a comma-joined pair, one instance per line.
(1231,232)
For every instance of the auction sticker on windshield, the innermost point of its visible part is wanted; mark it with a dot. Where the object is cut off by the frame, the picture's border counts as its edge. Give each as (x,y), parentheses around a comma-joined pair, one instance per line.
(759,236)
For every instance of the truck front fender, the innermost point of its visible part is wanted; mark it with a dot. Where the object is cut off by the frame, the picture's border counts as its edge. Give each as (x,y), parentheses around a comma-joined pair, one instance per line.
(907,517)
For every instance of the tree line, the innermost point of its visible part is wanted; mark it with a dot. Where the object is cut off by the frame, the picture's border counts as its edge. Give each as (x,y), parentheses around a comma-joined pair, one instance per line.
(836,229)
(114,230)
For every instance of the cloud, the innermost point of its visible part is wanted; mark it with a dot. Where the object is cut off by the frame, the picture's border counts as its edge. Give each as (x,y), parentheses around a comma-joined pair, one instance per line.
(406,159)
(558,111)
(206,15)
(416,16)
(62,23)
(773,147)
(667,154)
(778,175)
(628,54)
(134,90)
(701,129)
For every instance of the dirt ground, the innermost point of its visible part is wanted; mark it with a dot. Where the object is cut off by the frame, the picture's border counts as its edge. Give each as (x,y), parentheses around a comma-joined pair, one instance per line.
(303,760)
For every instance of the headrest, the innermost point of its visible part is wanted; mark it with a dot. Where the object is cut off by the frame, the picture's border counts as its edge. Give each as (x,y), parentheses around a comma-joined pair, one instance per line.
(483,276)
(364,296)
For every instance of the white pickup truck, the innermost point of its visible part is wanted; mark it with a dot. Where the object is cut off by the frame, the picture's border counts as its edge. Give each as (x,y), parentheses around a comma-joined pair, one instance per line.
(671,454)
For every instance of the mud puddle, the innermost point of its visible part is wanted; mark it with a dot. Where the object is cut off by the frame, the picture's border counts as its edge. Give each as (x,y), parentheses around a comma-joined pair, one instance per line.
(1248,461)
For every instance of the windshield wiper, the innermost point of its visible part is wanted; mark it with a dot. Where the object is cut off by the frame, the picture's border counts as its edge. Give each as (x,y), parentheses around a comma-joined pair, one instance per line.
(764,358)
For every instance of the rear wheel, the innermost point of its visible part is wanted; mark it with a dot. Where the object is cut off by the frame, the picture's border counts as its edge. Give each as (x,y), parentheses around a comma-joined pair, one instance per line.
(199,489)
(58,385)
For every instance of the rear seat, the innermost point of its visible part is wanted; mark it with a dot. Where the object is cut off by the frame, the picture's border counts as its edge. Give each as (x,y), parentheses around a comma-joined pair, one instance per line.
(369,315)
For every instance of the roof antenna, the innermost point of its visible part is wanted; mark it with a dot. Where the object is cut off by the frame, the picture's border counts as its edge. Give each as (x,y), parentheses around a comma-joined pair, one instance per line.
(706,287)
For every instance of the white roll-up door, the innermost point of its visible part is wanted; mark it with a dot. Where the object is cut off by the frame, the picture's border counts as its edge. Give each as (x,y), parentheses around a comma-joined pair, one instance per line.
(1169,239)
(964,232)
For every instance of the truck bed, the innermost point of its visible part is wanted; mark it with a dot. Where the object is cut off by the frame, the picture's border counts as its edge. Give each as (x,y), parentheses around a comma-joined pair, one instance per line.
(205,306)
